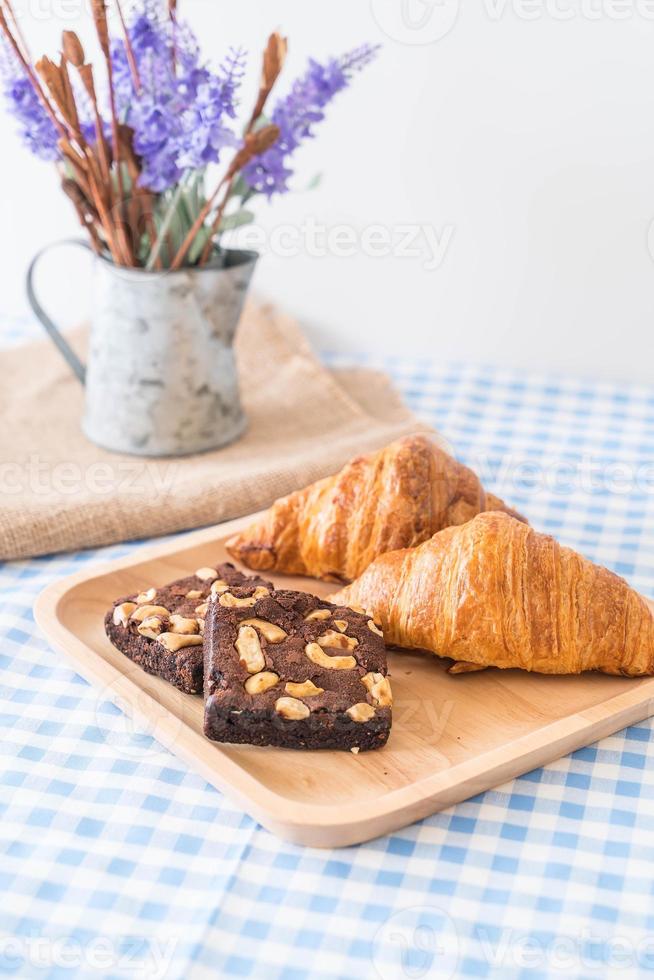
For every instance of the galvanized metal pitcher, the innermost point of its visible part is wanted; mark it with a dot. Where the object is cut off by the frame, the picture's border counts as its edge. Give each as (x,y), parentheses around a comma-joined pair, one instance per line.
(161,375)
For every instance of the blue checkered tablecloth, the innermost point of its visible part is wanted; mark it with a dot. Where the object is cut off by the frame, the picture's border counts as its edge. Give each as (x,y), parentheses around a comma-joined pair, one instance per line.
(117,861)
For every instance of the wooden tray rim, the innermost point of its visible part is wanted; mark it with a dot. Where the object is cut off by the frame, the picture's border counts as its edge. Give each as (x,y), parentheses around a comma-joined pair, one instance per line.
(321,824)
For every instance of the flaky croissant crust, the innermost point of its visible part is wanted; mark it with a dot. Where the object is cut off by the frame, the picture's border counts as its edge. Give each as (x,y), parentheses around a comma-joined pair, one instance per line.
(395,498)
(497,593)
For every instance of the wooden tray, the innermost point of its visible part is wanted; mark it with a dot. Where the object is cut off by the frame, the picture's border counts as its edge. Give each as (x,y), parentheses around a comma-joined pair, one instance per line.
(452,737)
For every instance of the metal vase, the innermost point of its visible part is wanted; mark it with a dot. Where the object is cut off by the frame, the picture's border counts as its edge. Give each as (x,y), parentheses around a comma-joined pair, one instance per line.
(161,375)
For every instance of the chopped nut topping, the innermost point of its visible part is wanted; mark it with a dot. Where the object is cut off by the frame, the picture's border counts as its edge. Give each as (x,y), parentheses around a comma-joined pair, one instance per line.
(206,573)
(219,586)
(292,709)
(176,641)
(231,602)
(318,614)
(142,612)
(261,682)
(305,690)
(122,613)
(150,627)
(337,640)
(249,650)
(201,610)
(341,625)
(372,625)
(379,689)
(194,594)
(361,712)
(145,597)
(273,633)
(317,655)
(180,624)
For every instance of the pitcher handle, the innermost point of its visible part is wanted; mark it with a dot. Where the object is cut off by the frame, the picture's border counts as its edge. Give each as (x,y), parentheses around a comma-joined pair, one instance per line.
(78,369)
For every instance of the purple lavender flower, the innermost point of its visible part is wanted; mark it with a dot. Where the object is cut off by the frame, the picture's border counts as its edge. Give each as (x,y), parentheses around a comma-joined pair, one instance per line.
(180,114)
(296,115)
(212,103)
(36,128)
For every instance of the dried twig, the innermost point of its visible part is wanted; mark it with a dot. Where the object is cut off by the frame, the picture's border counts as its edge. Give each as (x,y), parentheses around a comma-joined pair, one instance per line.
(215,225)
(86,75)
(253,144)
(131,57)
(140,205)
(91,180)
(58,83)
(71,105)
(93,190)
(99,8)
(20,37)
(72,48)
(49,72)
(274,57)
(86,217)
(79,164)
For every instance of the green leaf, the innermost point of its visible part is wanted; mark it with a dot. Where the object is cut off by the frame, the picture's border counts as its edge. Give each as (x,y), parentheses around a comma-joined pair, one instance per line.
(197,247)
(239,187)
(315,181)
(170,221)
(144,248)
(236,219)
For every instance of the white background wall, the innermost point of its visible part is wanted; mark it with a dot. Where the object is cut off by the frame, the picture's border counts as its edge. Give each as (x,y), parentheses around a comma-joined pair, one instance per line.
(523,138)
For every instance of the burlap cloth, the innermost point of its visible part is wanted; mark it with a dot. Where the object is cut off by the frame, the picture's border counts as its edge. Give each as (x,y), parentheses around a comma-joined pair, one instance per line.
(59,492)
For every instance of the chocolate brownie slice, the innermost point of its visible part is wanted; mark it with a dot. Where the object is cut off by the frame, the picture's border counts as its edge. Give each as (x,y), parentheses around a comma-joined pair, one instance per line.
(292,670)
(161,629)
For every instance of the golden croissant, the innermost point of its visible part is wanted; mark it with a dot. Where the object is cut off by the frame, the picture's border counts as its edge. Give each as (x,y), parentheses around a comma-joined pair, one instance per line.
(496,593)
(395,498)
